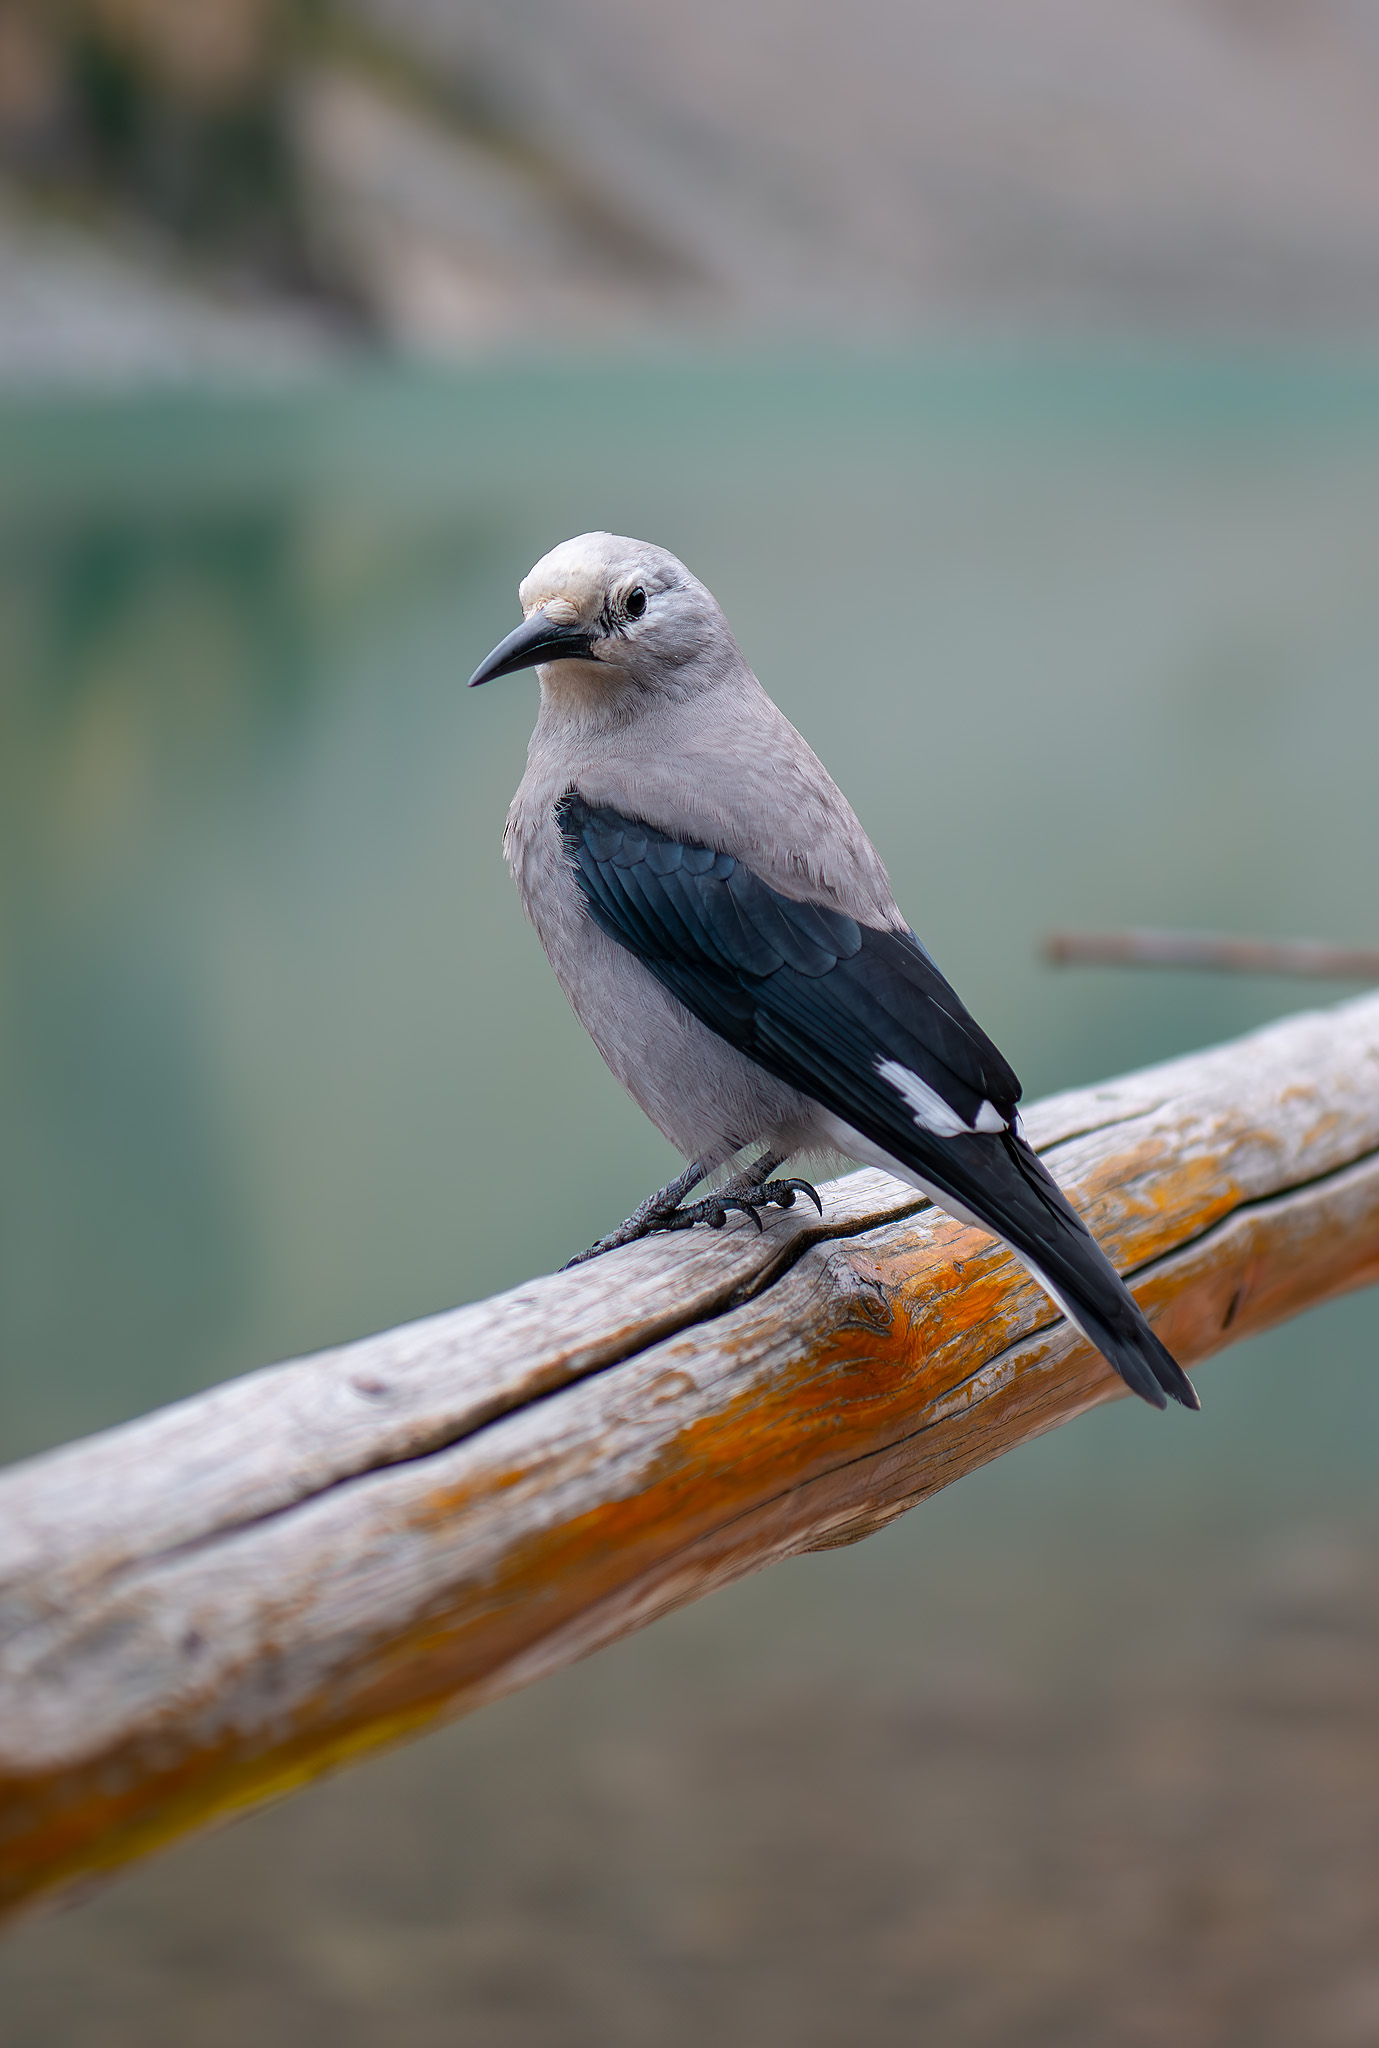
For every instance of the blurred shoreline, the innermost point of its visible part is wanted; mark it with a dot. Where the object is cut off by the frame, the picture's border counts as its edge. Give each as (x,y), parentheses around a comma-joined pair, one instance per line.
(254,186)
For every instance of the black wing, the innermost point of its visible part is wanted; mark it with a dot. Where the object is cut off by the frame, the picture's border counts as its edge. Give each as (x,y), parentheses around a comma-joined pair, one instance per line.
(825,1004)
(811,995)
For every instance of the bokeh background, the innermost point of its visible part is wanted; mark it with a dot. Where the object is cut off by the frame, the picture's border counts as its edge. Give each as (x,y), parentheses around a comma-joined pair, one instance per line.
(1011,372)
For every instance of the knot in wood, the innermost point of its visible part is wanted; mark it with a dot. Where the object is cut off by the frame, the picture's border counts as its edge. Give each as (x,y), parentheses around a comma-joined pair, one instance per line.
(869,1300)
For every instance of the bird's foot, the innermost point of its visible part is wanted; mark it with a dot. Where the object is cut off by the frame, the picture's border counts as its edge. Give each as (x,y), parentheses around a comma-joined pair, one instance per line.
(780,1192)
(649,1222)
(653,1215)
(749,1200)
(664,1212)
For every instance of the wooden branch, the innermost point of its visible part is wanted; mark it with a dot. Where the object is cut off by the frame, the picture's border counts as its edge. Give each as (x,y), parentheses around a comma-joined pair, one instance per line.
(1213,950)
(208,1607)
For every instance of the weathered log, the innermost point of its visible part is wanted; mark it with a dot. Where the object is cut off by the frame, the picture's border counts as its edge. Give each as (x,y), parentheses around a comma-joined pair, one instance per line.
(208,1607)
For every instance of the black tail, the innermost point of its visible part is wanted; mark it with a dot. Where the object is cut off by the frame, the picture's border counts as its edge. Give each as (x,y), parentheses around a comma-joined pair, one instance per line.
(1007,1186)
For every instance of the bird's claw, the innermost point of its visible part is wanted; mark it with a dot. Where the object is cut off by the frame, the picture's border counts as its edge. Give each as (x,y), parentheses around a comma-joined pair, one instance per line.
(783,1192)
(712,1210)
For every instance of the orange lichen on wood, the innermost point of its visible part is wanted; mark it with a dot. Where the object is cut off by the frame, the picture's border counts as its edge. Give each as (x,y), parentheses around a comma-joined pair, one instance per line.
(210,1607)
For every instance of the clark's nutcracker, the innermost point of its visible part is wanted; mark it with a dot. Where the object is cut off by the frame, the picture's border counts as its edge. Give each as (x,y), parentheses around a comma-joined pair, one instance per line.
(726,933)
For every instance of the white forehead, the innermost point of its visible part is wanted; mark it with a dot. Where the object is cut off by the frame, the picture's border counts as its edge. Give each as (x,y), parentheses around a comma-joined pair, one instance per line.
(584,569)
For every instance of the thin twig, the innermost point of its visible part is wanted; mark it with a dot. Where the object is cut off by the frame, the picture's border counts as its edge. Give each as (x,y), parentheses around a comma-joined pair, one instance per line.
(1215,950)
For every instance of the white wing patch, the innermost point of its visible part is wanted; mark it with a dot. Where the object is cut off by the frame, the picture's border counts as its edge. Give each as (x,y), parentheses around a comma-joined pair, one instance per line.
(930,1110)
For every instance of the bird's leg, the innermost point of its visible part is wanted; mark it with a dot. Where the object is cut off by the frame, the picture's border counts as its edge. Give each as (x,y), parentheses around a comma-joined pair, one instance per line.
(654,1214)
(750,1192)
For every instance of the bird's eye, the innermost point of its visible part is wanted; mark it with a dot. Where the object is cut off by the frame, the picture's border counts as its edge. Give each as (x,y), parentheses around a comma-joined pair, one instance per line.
(635,602)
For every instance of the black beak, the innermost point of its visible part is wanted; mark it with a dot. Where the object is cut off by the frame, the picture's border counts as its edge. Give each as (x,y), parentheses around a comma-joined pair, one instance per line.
(536,639)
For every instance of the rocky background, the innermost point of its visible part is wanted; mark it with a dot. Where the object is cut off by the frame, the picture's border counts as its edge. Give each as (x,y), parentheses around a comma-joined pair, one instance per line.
(212,181)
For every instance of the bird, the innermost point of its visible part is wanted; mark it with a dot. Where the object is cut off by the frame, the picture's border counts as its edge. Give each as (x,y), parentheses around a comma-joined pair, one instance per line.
(727,933)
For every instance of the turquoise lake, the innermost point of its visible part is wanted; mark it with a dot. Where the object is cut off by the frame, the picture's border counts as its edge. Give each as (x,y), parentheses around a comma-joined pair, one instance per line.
(1089,640)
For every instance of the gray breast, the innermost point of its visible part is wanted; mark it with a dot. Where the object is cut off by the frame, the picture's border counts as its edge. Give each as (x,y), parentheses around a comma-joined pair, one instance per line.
(701,1093)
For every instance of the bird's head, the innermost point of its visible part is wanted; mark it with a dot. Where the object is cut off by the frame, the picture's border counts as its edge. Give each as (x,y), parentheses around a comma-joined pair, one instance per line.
(604,616)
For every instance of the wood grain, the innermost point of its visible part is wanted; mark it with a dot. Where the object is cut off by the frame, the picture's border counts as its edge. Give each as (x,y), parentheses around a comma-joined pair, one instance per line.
(208,1607)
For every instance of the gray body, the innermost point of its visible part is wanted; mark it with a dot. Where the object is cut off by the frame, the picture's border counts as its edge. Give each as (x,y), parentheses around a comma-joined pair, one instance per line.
(715,760)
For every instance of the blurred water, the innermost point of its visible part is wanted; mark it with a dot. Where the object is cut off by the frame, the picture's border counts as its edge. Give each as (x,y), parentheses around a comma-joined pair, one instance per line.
(1088,642)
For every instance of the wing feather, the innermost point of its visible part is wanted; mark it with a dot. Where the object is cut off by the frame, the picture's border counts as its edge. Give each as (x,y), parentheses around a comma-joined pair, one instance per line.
(825,1004)
(805,990)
